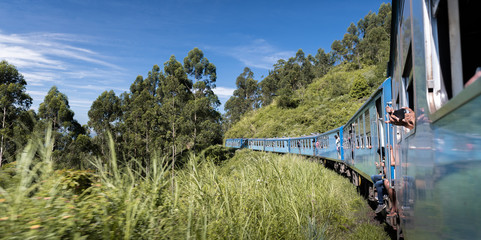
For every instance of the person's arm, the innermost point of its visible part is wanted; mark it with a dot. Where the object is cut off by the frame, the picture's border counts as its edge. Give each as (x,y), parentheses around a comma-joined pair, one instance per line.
(405,119)
(393,162)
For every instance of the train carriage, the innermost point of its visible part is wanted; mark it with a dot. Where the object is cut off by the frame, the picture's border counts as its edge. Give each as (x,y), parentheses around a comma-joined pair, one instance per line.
(280,145)
(435,49)
(330,144)
(433,164)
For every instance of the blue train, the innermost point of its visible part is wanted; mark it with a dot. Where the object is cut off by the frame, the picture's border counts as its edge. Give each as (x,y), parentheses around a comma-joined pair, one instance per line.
(432,164)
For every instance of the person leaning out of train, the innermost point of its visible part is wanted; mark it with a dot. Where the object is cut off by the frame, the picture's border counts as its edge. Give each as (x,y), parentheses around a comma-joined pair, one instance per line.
(338,145)
(378,180)
(402,117)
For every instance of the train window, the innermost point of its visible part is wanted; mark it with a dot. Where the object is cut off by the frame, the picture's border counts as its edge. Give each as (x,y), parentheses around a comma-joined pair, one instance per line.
(453,49)
(357,133)
(361,130)
(367,121)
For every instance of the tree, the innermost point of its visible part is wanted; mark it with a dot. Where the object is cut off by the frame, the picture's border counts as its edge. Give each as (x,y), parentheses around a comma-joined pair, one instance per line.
(14,102)
(360,88)
(55,110)
(141,116)
(350,42)
(245,97)
(323,62)
(205,103)
(103,114)
(375,32)
(338,50)
(105,110)
(270,84)
(176,90)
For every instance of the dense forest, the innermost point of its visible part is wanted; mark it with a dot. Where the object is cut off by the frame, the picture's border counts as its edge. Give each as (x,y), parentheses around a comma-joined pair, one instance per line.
(148,163)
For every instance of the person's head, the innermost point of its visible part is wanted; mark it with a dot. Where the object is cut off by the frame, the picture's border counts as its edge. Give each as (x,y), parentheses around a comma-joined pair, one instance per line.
(335,136)
(381,152)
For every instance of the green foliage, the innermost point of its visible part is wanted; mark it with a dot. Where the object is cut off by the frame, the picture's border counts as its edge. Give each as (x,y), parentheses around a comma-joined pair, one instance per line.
(7,175)
(256,195)
(253,195)
(217,154)
(245,97)
(306,104)
(165,112)
(285,99)
(360,89)
(16,122)
(55,111)
(323,105)
(204,115)
(362,46)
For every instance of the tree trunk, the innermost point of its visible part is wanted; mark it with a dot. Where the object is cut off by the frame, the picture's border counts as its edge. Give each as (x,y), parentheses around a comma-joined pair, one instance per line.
(3,127)
(195,118)
(173,144)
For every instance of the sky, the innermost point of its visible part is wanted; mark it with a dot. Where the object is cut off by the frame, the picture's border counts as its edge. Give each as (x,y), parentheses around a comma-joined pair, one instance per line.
(86,47)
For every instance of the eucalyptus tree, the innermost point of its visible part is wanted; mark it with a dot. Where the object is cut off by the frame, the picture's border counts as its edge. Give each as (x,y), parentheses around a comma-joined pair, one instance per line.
(55,110)
(104,115)
(323,62)
(375,32)
(206,118)
(140,115)
(176,91)
(350,42)
(245,98)
(14,103)
(271,83)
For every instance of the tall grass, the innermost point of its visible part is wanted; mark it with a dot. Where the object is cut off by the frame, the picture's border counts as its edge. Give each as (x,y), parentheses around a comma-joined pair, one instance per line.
(252,196)
(266,196)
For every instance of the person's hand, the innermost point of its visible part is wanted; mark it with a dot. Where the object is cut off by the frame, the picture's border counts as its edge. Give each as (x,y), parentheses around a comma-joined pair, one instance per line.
(391,117)
(408,121)
(409,118)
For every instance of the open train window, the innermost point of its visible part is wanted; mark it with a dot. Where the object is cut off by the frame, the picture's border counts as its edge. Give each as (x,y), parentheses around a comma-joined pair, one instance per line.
(453,50)
(361,130)
(367,125)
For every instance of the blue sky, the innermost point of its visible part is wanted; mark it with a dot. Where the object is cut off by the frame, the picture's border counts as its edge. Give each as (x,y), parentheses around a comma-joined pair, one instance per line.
(85,47)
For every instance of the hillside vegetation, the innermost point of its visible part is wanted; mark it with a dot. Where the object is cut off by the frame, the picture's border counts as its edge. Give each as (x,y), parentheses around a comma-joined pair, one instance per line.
(252,196)
(325,104)
(313,94)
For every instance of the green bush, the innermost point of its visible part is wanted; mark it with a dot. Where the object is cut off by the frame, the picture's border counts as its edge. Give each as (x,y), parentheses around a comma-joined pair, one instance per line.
(218,154)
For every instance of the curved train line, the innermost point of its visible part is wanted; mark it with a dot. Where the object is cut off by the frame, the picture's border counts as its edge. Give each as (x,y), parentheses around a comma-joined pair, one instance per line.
(433,169)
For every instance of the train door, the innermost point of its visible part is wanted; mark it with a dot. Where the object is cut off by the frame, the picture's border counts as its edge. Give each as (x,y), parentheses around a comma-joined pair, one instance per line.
(388,128)
(380,139)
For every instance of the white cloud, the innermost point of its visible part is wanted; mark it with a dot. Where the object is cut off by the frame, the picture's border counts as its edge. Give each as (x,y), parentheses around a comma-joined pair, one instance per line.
(258,54)
(37,94)
(47,59)
(223,92)
(46,50)
(80,103)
